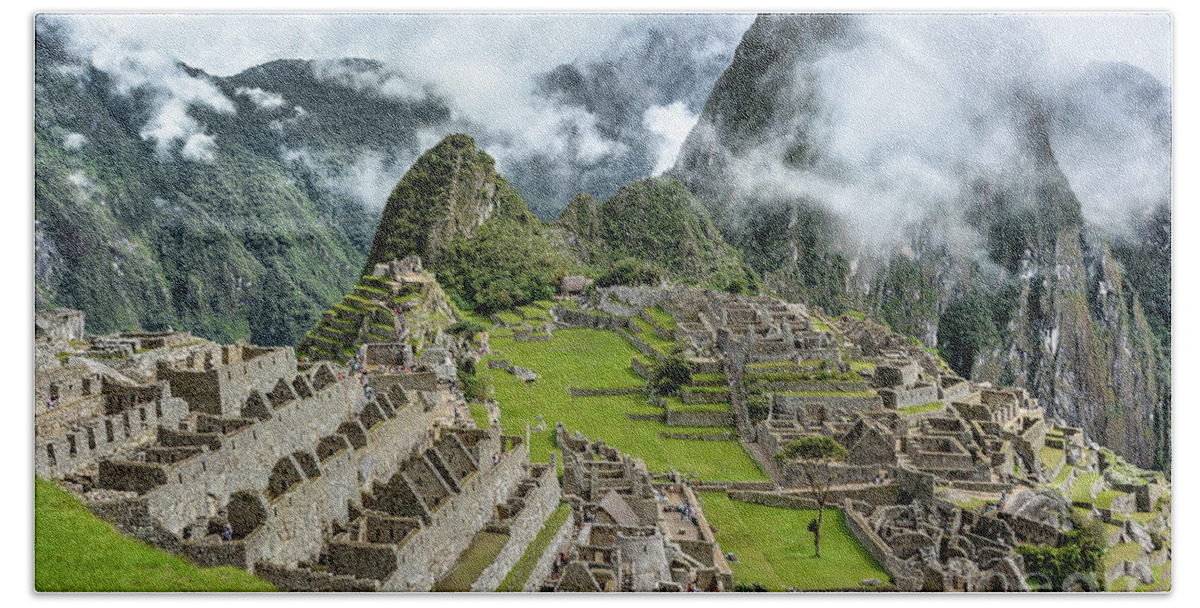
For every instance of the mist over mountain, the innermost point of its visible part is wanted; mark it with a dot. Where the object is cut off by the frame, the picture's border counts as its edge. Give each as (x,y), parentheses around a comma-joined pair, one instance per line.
(947,176)
(983,183)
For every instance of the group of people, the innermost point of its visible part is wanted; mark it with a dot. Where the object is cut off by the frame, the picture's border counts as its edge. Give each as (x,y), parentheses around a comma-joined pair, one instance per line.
(686,513)
(560,561)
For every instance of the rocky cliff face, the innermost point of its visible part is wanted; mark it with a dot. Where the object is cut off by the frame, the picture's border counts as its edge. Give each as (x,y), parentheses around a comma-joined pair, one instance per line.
(1060,318)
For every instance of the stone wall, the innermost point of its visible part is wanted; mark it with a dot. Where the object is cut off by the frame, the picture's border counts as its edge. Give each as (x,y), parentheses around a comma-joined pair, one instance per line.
(834,406)
(582,318)
(304,579)
(897,397)
(545,564)
(93,440)
(640,368)
(695,397)
(236,371)
(603,392)
(539,504)
(638,343)
(793,475)
(433,551)
(693,418)
(901,575)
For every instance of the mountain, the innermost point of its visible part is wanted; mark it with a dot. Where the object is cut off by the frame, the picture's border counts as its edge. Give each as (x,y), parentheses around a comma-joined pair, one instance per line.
(1005,274)
(655,220)
(229,207)
(471,228)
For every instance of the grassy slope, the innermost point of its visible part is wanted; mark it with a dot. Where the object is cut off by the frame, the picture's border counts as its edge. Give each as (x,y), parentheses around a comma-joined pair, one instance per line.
(111,562)
(774,547)
(474,560)
(589,358)
(519,575)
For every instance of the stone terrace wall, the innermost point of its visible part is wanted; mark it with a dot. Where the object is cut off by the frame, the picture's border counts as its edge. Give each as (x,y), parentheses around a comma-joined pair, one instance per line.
(580,318)
(431,552)
(246,457)
(542,568)
(901,575)
(539,504)
(303,579)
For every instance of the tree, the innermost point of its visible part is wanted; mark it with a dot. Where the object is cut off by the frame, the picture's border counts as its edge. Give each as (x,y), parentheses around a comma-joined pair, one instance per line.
(670,372)
(815,454)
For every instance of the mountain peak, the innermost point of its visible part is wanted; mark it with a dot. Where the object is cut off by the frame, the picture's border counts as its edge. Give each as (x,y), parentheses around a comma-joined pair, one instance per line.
(451,190)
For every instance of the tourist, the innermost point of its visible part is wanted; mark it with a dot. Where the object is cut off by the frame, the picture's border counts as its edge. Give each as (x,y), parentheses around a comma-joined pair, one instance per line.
(228,531)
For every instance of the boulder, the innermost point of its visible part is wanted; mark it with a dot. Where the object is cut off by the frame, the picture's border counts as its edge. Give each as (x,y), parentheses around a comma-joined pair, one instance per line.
(1140,571)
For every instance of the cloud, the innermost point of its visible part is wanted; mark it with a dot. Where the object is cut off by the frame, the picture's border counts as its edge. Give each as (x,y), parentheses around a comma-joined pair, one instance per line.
(169,90)
(488,68)
(889,121)
(74,141)
(367,178)
(670,125)
(264,100)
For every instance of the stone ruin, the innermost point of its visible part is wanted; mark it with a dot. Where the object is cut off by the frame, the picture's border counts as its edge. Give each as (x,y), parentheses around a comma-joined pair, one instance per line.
(236,455)
(631,535)
(936,546)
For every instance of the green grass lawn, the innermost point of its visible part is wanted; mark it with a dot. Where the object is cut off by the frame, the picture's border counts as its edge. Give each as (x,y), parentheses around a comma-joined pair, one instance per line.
(661,317)
(474,560)
(1080,492)
(534,312)
(775,548)
(479,414)
(589,358)
(519,575)
(1050,457)
(509,318)
(646,332)
(75,551)
(932,406)
(1061,478)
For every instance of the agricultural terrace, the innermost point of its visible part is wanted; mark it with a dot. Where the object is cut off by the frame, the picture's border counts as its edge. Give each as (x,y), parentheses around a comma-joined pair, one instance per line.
(590,358)
(774,547)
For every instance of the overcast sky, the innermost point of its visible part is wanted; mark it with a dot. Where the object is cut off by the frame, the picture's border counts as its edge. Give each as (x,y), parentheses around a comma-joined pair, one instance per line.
(500,44)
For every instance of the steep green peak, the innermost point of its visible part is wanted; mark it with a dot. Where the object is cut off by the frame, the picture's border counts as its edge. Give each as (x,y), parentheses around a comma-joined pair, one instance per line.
(582,216)
(450,191)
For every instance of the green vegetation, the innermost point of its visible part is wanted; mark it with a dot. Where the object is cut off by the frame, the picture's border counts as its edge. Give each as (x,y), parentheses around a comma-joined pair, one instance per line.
(645,331)
(474,560)
(1104,499)
(591,358)
(629,271)
(966,328)
(1083,552)
(654,222)
(661,317)
(1081,490)
(862,366)
(809,452)
(773,546)
(670,373)
(75,551)
(1050,457)
(911,410)
(505,263)
(519,575)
